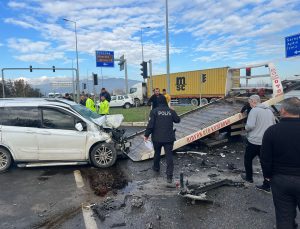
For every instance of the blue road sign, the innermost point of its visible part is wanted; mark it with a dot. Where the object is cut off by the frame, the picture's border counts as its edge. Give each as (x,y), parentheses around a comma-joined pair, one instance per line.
(292,46)
(105,59)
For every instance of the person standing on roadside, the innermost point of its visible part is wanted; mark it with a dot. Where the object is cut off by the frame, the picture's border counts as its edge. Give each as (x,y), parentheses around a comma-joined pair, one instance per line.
(104,106)
(280,161)
(90,102)
(160,126)
(105,93)
(153,99)
(83,99)
(68,97)
(168,97)
(259,119)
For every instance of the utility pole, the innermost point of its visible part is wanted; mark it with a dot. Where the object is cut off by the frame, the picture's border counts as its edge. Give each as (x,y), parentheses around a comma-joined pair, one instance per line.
(150,74)
(126,77)
(167,49)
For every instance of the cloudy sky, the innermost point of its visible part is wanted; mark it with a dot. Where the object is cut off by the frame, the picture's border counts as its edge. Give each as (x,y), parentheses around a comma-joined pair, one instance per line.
(203,34)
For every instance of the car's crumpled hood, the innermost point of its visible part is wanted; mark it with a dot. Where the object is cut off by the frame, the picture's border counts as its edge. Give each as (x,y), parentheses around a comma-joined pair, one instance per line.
(109,121)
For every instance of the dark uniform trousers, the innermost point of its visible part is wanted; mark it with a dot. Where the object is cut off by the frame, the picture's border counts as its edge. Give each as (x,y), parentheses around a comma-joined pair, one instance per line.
(251,152)
(168,147)
(286,198)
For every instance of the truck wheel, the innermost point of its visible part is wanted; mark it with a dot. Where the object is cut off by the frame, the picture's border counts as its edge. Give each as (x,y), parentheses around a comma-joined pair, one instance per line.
(103,155)
(204,101)
(213,100)
(137,102)
(127,105)
(5,160)
(194,102)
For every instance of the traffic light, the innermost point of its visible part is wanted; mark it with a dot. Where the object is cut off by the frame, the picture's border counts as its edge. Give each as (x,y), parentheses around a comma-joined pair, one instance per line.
(203,78)
(248,71)
(53,68)
(30,68)
(95,77)
(121,63)
(144,70)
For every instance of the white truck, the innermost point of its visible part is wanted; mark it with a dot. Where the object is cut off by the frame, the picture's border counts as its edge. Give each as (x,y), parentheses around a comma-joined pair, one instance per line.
(138,92)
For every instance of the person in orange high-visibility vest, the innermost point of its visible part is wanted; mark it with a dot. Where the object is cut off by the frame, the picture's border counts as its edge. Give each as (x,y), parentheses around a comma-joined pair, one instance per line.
(168,97)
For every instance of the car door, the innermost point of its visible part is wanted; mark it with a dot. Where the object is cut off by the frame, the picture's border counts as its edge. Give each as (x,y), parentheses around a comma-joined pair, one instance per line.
(113,102)
(120,101)
(19,126)
(58,139)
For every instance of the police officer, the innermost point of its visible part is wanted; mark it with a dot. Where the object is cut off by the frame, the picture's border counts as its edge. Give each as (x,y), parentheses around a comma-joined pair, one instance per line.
(90,102)
(160,126)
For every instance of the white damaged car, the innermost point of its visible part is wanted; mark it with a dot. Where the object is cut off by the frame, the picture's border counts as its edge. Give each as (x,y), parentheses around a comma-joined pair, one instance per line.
(49,132)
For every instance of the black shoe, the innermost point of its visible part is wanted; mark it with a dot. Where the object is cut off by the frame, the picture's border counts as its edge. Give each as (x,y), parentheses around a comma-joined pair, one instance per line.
(246,179)
(169,180)
(263,188)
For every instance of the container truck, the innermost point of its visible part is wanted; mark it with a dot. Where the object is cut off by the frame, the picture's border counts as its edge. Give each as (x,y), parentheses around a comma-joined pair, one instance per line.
(186,87)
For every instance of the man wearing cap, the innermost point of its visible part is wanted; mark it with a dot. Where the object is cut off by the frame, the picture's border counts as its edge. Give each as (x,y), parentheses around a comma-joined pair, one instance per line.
(160,126)
(259,119)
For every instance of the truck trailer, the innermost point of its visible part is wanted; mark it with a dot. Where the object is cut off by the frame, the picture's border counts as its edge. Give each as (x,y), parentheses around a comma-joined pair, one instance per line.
(186,87)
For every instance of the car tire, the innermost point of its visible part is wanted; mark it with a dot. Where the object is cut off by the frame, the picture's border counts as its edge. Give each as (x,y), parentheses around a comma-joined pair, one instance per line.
(127,105)
(5,160)
(103,155)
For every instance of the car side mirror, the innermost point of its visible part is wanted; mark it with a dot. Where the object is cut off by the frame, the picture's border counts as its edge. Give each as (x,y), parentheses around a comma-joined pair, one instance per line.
(79,127)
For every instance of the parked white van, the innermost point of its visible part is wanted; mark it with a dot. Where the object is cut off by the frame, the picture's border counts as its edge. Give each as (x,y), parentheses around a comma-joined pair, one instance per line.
(48,132)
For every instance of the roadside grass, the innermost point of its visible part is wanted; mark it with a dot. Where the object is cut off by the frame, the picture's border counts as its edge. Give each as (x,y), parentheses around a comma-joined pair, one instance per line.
(141,114)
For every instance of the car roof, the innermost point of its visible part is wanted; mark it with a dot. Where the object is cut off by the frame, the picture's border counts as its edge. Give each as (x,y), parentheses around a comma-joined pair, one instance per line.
(36,102)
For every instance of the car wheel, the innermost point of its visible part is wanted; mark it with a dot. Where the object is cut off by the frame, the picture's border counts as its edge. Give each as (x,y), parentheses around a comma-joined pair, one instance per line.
(103,155)
(127,105)
(5,160)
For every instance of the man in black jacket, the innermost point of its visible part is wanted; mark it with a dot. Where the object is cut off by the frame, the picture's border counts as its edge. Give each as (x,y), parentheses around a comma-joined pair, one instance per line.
(280,160)
(153,99)
(105,93)
(160,127)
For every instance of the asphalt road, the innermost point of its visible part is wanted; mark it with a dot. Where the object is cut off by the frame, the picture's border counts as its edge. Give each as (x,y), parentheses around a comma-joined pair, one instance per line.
(50,197)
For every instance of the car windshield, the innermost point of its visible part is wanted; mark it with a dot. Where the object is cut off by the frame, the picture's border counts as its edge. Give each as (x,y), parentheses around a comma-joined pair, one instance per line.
(85,112)
(126,96)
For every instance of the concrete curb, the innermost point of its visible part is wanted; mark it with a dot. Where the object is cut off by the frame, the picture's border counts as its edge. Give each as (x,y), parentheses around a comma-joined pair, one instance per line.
(134,123)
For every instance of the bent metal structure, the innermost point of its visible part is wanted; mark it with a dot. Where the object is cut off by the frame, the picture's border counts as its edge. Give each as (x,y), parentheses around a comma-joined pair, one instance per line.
(214,116)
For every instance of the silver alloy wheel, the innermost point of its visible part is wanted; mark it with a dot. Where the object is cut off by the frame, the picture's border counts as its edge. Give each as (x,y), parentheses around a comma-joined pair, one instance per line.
(3,160)
(103,155)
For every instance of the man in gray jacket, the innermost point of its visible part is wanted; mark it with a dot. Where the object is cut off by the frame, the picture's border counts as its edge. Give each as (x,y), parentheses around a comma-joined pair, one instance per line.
(259,119)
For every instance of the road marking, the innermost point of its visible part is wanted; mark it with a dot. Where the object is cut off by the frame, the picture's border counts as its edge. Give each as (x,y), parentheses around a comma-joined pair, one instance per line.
(78,179)
(89,220)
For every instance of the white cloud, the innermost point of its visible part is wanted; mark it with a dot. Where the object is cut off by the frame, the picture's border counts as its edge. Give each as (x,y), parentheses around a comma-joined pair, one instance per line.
(217,29)
(27,46)
(40,57)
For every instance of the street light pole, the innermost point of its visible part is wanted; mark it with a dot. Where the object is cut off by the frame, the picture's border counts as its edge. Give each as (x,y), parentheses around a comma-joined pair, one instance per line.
(148,27)
(167,48)
(77,72)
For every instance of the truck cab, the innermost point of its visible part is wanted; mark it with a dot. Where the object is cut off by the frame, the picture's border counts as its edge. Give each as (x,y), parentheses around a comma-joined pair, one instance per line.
(138,92)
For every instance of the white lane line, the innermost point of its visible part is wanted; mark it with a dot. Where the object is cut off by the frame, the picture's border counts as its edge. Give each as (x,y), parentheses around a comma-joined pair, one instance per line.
(78,179)
(89,220)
